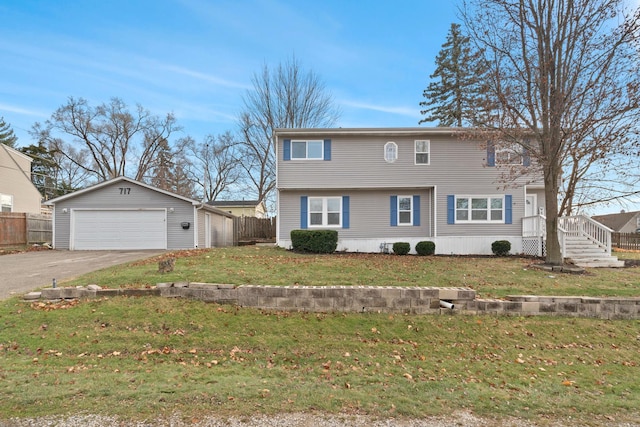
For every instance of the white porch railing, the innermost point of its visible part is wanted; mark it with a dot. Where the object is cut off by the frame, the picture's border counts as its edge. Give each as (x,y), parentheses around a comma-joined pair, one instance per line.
(534,229)
(583,226)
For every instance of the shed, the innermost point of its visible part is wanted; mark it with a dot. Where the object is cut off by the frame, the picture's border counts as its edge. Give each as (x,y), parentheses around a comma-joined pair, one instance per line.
(125,214)
(253,208)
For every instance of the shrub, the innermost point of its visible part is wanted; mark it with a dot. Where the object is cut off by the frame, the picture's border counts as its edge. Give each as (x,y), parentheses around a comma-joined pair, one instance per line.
(314,241)
(425,248)
(401,248)
(501,247)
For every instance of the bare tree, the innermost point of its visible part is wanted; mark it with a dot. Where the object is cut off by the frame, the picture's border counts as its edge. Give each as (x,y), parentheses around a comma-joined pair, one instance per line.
(218,165)
(565,75)
(288,97)
(116,140)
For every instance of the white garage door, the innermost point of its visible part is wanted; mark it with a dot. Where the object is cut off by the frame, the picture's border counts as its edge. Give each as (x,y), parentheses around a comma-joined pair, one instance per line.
(119,229)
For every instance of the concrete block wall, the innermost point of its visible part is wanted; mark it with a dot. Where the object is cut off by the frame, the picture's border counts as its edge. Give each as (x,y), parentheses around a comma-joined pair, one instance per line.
(413,300)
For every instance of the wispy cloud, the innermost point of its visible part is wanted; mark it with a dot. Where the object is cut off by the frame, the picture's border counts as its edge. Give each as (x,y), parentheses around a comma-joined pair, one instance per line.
(22,110)
(205,77)
(403,111)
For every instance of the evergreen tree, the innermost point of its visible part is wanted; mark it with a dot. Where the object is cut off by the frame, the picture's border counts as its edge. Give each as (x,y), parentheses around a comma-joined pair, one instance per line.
(44,170)
(457,96)
(7,136)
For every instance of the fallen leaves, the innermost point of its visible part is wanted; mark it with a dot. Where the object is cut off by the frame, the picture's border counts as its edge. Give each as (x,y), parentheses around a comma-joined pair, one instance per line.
(54,305)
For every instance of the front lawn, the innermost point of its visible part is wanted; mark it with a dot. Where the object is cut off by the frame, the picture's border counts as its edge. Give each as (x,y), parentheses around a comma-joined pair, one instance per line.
(489,276)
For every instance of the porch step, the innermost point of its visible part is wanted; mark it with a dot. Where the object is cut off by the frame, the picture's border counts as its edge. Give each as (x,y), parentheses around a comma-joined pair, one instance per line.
(613,262)
(587,254)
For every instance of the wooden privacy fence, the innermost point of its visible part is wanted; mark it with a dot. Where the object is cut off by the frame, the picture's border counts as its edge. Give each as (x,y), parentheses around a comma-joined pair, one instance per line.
(629,241)
(248,229)
(24,229)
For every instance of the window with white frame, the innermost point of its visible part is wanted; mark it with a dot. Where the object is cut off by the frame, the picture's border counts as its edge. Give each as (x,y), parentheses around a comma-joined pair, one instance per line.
(390,152)
(313,150)
(479,209)
(405,210)
(510,155)
(6,203)
(325,211)
(422,151)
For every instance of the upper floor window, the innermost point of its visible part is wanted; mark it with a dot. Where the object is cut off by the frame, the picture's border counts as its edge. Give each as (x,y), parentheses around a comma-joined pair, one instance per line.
(509,155)
(390,152)
(422,152)
(479,209)
(325,211)
(6,203)
(307,150)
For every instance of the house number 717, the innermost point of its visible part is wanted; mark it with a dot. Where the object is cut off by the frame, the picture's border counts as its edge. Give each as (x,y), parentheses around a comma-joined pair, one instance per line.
(125,190)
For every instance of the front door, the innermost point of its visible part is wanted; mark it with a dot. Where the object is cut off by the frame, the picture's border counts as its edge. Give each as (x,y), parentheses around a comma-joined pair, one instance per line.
(530,209)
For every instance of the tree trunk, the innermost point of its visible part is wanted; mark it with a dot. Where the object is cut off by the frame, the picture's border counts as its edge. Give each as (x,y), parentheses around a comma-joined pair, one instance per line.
(554,254)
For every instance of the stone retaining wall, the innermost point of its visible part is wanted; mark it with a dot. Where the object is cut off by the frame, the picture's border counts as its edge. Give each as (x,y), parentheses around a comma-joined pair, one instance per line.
(413,300)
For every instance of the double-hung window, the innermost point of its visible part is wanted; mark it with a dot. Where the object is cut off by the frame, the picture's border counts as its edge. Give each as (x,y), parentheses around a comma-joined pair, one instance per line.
(311,150)
(325,211)
(479,209)
(405,210)
(6,203)
(422,152)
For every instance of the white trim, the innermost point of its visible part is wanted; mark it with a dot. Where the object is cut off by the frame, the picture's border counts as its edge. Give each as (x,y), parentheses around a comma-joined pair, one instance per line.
(470,209)
(448,245)
(306,147)
(325,212)
(10,196)
(405,224)
(72,221)
(395,148)
(415,152)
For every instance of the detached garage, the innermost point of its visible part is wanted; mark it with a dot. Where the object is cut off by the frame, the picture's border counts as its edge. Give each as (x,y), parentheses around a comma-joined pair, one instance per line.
(124,214)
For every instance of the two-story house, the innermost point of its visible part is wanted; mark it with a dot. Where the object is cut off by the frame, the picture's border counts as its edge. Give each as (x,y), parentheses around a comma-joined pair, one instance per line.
(17,192)
(386,185)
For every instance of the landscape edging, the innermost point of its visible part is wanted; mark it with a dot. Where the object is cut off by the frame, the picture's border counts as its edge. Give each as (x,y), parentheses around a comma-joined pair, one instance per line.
(362,299)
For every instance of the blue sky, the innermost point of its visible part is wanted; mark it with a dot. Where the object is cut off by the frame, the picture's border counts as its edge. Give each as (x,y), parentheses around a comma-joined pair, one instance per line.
(195,58)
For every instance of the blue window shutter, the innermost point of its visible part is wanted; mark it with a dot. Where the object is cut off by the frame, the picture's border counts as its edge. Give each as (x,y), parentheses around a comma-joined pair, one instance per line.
(451,209)
(286,148)
(345,211)
(526,158)
(416,211)
(303,212)
(491,154)
(508,213)
(327,149)
(394,211)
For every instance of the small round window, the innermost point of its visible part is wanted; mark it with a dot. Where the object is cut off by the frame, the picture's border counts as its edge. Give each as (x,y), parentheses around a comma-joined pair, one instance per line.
(390,152)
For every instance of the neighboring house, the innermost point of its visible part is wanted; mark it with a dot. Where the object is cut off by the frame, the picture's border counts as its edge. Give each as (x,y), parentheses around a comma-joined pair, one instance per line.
(386,185)
(17,192)
(241,207)
(126,214)
(623,222)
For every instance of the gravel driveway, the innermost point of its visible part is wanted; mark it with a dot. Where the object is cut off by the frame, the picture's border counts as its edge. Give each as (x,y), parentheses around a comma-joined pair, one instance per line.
(24,272)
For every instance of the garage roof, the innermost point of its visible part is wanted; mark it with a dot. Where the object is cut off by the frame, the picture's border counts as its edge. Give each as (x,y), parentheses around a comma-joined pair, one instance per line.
(141,184)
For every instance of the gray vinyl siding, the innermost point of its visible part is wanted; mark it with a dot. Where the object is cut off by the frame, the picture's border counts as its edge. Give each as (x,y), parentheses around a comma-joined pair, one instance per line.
(109,197)
(357,168)
(369,213)
(358,162)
